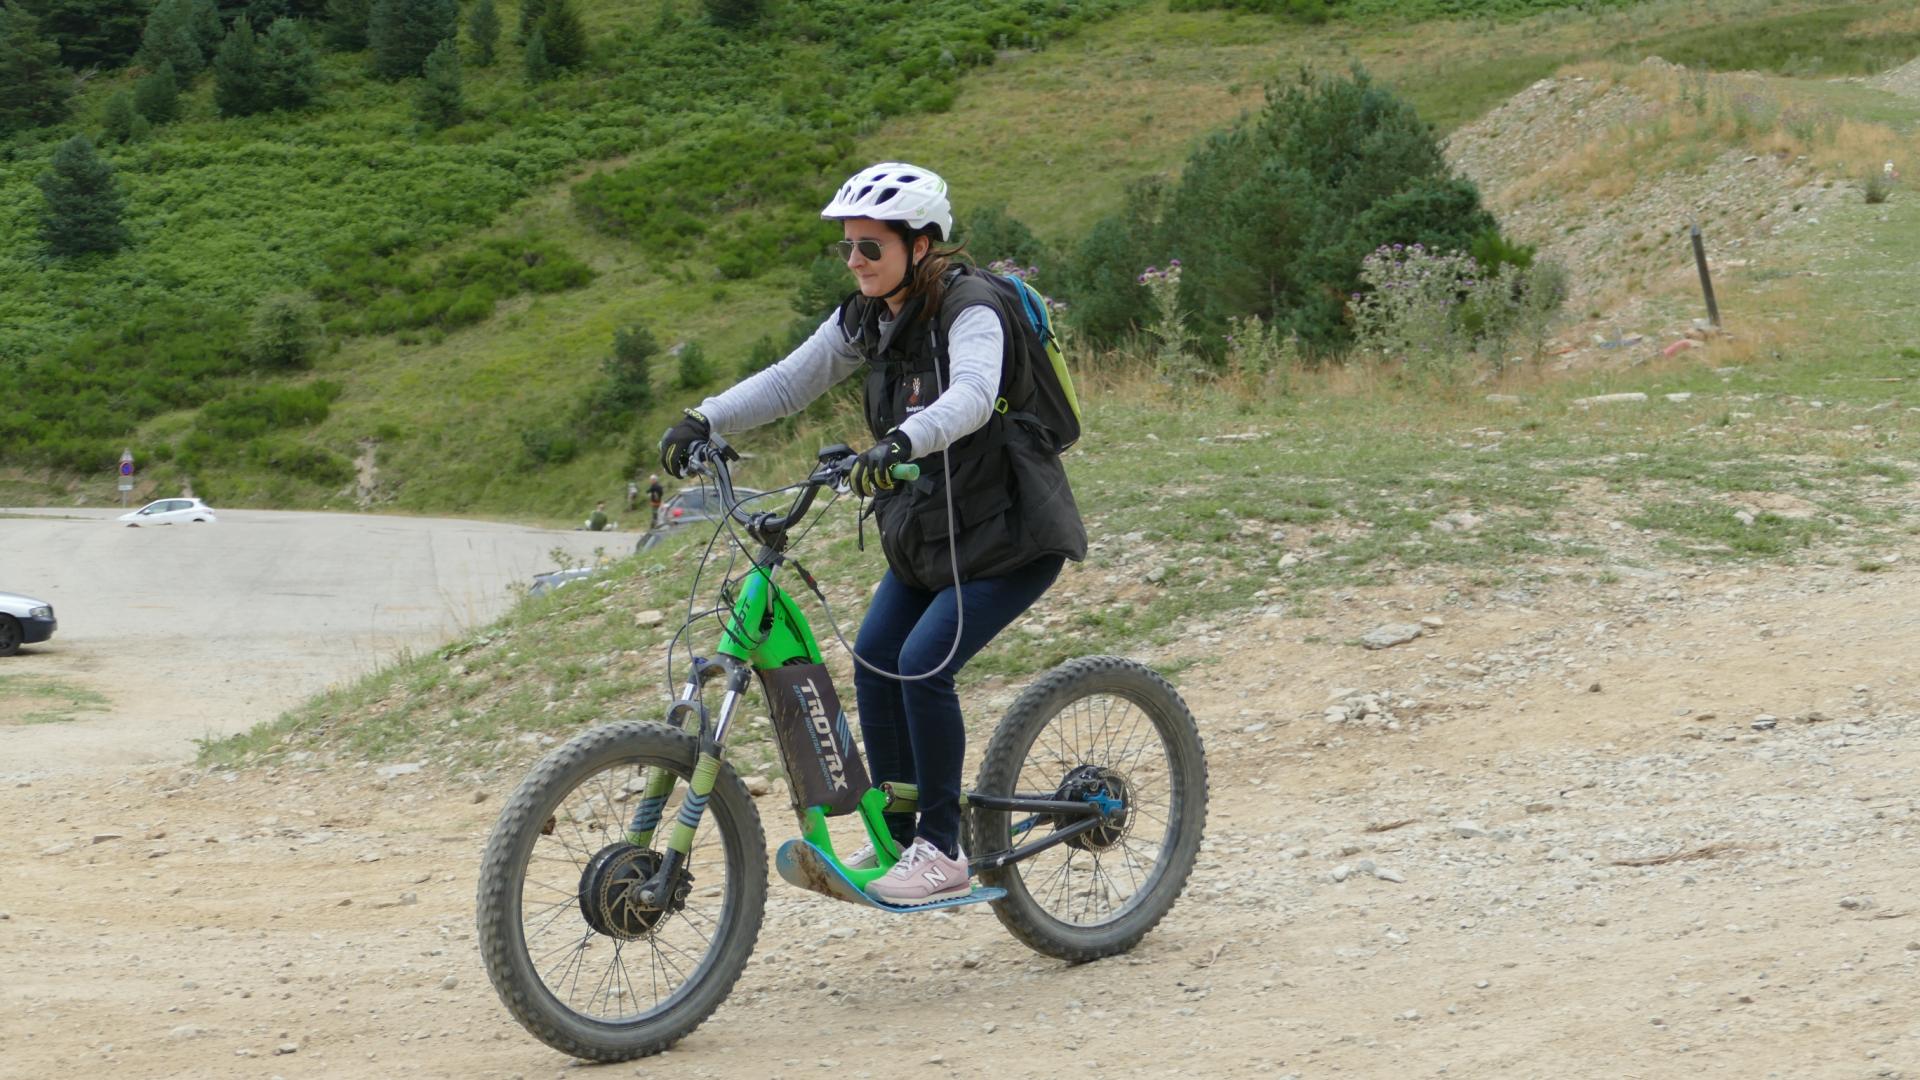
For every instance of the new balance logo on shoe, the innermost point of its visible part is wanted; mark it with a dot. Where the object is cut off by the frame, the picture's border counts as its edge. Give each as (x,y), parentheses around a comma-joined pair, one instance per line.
(935,877)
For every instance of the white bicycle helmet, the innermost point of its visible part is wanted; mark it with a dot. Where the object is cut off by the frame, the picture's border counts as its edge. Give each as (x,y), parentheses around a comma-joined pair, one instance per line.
(895,191)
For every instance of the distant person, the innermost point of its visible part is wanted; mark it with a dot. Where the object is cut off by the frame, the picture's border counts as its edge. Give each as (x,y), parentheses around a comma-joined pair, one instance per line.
(598,522)
(633,496)
(654,494)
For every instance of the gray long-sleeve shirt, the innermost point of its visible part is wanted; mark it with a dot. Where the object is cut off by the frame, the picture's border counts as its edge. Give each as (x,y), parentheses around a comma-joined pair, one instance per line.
(974,347)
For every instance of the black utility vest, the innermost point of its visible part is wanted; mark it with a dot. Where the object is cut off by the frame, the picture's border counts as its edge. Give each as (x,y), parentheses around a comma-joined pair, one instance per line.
(1010,491)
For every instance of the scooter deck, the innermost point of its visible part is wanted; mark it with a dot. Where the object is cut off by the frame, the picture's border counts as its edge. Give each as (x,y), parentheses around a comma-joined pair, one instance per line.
(805,865)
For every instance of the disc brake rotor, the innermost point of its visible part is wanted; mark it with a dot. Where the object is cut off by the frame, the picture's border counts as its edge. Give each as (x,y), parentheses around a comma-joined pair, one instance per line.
(1104,788)
(610,891)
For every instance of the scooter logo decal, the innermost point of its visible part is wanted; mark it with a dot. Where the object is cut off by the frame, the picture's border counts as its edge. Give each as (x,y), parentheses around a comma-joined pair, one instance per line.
(826,746)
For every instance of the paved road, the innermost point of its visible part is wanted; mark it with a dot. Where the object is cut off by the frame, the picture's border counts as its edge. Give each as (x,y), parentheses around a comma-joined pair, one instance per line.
(195,630)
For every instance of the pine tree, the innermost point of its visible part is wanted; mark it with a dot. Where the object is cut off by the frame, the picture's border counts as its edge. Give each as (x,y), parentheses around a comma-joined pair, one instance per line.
(169,39)
(530,14)
(403,33)
(538,70)
(116,120)
(693,371)
(203,17)
(566,37)
(82,202)
(628,371)
(236,73)
(346,28)
(91,33)
(264,13)
(157,95)
(289,67)
(437,102)
(34,88)
(483,29)
(140,130)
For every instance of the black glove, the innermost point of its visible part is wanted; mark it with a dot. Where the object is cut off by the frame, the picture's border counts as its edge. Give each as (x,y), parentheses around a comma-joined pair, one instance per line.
(871,470)
(679,439)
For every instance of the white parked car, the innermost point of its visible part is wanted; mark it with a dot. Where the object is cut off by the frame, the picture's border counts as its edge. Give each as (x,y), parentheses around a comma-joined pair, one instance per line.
(23,621)
(170,512)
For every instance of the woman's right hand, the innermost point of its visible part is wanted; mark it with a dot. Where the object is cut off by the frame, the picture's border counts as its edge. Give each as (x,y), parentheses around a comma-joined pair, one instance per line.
(679,439)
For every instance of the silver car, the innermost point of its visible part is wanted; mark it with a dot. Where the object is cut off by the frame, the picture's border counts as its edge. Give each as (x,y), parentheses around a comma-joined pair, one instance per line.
(170,512)
(23,621)
(690,506)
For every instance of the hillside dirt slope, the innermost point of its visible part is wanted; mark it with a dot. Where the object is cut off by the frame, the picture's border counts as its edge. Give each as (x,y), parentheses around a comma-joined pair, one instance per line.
(1749,735)
(1621,229)
(1903,80)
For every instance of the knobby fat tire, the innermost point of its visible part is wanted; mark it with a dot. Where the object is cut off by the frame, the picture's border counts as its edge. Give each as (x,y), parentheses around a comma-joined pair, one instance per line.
(1025,917)
(503,947)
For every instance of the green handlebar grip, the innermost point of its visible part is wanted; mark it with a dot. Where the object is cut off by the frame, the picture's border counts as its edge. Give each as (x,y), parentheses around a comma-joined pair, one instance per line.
(908,473)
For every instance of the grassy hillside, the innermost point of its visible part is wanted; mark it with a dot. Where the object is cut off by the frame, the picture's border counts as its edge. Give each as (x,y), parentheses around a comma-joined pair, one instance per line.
(439,407)
(1295,501)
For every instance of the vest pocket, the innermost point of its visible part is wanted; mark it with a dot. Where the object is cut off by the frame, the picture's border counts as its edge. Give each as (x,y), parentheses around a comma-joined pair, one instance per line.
(915,527)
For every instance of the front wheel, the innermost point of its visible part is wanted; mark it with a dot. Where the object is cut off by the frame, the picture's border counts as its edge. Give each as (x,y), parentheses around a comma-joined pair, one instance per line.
(575,955)
(10,635)
(1100,729)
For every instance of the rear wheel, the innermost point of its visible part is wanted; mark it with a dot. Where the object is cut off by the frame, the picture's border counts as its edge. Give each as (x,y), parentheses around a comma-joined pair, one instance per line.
(1109,731)
(574,953)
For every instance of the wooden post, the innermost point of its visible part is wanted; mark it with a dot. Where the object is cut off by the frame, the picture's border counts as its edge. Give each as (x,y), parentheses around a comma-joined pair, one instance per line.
(1706,279)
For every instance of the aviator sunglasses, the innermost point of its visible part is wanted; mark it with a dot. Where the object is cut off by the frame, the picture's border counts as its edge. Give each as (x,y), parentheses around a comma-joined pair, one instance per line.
(870,250)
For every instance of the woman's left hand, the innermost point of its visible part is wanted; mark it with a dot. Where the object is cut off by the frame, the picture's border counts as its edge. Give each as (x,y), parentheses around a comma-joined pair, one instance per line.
(872,471)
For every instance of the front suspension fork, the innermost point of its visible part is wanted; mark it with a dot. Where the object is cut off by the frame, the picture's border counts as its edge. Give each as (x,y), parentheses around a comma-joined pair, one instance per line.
(664,884)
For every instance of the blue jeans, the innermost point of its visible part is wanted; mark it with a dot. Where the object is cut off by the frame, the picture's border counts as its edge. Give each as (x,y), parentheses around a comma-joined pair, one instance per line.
(913,730)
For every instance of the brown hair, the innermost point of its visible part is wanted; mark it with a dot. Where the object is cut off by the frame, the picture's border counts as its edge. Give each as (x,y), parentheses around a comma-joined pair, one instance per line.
(929,274)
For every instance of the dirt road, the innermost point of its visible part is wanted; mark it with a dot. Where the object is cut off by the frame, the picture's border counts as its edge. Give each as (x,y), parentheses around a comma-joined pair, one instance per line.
(195,630)
(1657,827)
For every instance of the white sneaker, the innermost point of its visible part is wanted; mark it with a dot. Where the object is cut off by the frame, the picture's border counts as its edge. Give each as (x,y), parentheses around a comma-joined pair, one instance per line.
(863,858)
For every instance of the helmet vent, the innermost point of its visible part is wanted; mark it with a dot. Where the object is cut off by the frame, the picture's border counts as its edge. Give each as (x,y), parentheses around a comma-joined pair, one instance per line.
(887,195)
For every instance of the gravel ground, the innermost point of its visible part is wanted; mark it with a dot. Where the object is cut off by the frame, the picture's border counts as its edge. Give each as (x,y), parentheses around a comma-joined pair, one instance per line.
(1452,857)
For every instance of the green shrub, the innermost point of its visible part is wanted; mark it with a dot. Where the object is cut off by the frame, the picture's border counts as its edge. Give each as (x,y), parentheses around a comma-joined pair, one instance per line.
(1877,186)
(992,234)
(301,461)
(250,413)
(763,355)
(365,294)
(735,14)
(116,120)
(692,371)
(1107,298)
(285,336)
(157,94)
(1273,218)
(549,446)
